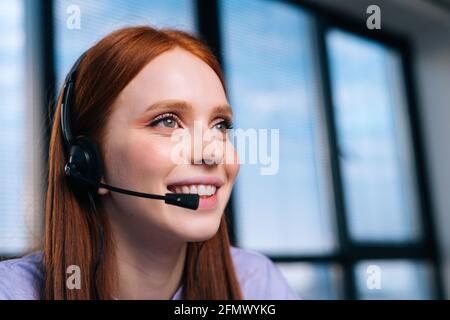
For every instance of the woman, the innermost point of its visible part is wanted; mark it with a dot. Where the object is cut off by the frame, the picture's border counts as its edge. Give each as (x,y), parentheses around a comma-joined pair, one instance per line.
(134,89)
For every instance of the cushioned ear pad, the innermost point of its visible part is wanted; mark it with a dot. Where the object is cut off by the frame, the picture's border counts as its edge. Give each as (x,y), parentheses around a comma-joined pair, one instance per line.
(84,153)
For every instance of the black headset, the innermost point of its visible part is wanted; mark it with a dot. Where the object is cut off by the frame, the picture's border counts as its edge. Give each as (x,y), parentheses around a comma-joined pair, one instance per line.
(81,153)
(83,160)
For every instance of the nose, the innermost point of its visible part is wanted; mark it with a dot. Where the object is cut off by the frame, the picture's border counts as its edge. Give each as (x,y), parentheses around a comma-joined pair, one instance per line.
(206,148)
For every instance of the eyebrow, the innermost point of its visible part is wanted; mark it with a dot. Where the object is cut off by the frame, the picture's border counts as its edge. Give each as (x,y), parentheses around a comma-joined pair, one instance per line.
(184,106)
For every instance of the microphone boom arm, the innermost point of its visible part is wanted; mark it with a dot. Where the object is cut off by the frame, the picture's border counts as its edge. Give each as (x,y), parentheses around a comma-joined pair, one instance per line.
(184,200)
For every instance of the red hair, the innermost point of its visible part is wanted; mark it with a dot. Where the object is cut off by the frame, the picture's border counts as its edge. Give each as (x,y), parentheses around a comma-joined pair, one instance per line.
(71,231)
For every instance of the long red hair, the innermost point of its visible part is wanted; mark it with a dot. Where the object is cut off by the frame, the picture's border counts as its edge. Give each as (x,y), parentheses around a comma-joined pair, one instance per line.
(71,233)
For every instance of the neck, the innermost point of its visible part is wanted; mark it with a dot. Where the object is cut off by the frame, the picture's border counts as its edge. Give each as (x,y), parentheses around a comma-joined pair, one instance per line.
(149,268)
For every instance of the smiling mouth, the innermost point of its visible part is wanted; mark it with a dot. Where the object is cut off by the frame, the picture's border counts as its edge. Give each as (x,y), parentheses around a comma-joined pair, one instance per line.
(203,190)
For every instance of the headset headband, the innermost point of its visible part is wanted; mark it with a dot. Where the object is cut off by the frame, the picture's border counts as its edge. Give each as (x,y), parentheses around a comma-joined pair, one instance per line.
(66,105)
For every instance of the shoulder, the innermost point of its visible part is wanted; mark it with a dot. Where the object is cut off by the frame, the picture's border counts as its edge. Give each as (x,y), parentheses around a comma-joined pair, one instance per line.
(21,278)
(259,277)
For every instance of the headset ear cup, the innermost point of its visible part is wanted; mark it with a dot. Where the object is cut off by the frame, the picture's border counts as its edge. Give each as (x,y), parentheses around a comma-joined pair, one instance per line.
(85,155)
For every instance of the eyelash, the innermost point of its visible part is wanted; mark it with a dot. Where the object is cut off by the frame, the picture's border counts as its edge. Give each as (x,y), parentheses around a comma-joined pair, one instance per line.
(153,123)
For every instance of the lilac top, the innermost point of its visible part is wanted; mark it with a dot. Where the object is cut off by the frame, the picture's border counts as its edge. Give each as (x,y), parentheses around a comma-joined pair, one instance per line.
(259,278)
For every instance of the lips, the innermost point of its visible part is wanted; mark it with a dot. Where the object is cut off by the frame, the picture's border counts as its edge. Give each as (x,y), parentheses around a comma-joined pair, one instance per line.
(206,187)
(204,180)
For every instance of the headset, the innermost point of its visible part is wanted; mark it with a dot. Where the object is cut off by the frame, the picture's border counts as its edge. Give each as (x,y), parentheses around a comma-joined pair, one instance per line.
(83,160)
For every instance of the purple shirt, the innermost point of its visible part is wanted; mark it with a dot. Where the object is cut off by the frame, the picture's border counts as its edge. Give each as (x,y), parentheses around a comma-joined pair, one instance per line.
(260,279)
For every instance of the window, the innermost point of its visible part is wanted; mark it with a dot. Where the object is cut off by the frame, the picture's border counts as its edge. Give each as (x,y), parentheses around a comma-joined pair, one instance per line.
(98,18)
(346,198)
(21,193)
(400,279)
(373,142)
(269,65)
(313,280)
(14,226)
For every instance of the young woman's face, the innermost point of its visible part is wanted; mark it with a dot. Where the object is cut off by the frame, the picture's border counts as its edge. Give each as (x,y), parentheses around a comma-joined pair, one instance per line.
(139,149)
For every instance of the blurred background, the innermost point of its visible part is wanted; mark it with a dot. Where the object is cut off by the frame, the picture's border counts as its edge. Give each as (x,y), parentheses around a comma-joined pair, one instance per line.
(360,206)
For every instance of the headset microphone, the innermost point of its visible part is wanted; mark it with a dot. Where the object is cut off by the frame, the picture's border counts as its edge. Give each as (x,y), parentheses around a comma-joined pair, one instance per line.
(84,161)
(184,200)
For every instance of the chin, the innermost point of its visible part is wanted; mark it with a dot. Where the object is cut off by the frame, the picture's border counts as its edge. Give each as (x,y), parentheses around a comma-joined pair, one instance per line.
(197,231)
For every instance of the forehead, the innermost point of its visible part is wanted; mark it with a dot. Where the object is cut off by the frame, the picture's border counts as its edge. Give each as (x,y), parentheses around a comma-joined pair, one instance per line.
(178,75)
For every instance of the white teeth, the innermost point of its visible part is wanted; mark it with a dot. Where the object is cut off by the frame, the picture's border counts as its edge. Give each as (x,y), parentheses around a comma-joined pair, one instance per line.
(200,189)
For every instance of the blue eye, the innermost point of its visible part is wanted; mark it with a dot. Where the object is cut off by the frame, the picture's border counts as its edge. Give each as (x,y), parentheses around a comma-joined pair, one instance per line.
(168,120)
(224,125)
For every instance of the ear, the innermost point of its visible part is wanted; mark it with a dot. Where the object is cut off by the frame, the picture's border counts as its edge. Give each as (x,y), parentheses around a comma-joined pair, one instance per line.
(102,191)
